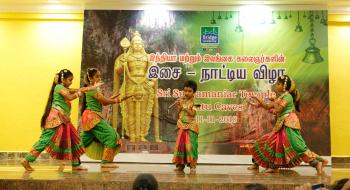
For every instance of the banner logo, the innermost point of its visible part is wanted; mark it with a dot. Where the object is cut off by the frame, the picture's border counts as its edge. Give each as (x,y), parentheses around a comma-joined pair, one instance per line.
(209,35)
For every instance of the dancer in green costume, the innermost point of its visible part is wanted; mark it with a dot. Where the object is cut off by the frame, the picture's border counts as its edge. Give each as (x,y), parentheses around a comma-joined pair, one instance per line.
(284,147)
(59,137)
(101,140)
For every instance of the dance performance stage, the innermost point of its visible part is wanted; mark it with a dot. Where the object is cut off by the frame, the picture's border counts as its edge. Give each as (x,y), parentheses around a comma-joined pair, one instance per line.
(219,177)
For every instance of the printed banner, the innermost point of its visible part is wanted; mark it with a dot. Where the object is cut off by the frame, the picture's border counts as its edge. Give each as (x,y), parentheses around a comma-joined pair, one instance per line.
(231,55)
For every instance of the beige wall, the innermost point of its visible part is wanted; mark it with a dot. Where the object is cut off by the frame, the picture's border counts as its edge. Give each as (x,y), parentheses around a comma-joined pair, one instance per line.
(339,77)
(33,47)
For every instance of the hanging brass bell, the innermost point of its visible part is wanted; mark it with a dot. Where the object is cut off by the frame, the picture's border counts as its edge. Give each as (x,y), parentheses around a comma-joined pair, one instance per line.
(312,55)
(298,28)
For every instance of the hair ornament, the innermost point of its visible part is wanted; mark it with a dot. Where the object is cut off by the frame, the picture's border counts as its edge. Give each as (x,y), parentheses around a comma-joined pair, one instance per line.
(285,84)
(56,78)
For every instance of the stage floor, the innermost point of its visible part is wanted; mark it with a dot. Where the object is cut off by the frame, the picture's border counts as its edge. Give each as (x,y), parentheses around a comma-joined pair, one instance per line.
(46,176)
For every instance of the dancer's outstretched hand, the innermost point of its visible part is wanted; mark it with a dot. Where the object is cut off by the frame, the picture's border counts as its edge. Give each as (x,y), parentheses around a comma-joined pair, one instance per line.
(252,101)
(115,95)
(125,98)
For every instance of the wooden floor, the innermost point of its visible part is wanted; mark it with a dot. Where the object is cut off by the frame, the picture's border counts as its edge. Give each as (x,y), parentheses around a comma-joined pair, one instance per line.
(47,176)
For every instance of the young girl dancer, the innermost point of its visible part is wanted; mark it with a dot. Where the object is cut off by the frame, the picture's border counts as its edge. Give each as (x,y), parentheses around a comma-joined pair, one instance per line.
(59,137)
(102,142)
(284,147)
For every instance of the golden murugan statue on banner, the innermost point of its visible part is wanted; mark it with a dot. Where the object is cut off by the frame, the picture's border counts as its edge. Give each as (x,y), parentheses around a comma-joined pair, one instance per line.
(137,110)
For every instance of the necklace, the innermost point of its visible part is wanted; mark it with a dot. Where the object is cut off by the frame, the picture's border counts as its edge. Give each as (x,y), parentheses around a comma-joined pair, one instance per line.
(283,94)
(138,58)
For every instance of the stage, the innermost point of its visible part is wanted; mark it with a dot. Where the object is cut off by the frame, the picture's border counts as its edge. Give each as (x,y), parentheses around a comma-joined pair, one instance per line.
(219,177)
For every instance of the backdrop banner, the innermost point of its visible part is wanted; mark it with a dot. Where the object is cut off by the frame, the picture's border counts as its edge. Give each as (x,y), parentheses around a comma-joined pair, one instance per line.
(232,55)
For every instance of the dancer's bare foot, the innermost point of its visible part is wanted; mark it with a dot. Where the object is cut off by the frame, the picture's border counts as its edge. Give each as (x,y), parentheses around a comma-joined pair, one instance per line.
(26,165)
(324,163)
(270,170)
(180,173)
(26,175)
(319,168)
(61,166)
(109,165)
(179,169)
(253,167)
(79,168)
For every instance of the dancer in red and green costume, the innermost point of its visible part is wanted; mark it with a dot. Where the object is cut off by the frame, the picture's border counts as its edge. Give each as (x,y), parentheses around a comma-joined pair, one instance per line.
(59,137)
(186,149)
(284,147)
(102,142)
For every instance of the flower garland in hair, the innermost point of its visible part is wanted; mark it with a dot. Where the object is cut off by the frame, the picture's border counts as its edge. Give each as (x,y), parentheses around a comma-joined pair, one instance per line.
(62,74)
(56,78)
(285,84)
